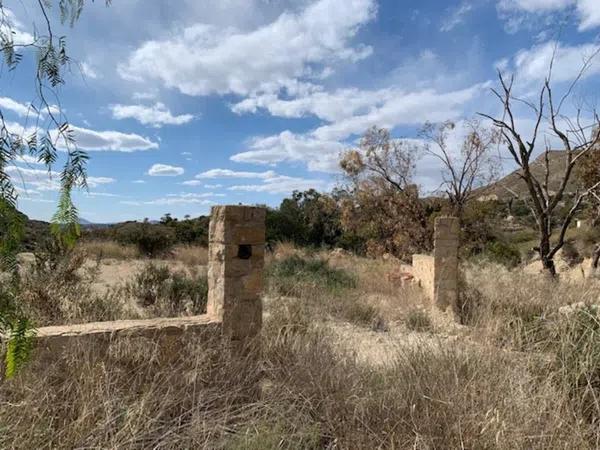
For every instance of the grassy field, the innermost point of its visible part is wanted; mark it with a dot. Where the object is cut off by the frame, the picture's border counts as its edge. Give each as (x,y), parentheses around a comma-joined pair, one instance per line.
(349,360)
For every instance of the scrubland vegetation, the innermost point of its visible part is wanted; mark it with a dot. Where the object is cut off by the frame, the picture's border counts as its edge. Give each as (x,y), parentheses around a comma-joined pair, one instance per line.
(348,360)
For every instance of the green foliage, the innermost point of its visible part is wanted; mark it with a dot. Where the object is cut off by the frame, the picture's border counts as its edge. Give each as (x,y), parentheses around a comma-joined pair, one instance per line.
(307,218)
(51,59)
(295,270)
(169,293)
(151,239)
(188,231)
(20,344)
(418,320)
(502,253)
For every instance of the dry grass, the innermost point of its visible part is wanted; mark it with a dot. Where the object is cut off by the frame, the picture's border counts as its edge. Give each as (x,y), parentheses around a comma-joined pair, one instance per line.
(314,395)
(190,255)
(108,249)
(530,380)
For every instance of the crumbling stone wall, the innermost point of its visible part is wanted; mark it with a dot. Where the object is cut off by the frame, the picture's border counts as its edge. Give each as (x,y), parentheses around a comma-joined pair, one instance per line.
(422,270)
(445,257)
(438,274)
(235,269)
(235,283)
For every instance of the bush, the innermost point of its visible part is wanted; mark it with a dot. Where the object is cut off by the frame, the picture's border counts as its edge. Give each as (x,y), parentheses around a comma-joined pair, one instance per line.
(502,253)
(150,239)
(167,293)
(108,249)
(57,288)
(294,272)
(576,346)
(418,320)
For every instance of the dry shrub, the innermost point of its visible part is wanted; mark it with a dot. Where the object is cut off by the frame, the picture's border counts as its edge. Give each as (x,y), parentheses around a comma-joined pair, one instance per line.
(513,307)
(418,320)
(322,288)
(57,289)
(190,255)
(132,395)
(108,249)
(162,292)
(314,395)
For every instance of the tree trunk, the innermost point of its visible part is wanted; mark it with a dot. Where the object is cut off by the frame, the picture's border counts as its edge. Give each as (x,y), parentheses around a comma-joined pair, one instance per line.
(547,261)
(596,257)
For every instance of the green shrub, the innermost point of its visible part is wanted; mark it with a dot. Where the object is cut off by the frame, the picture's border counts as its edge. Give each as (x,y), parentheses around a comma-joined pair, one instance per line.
(502,253)
(151,239)
(291,273)
(418,320)
(168,293)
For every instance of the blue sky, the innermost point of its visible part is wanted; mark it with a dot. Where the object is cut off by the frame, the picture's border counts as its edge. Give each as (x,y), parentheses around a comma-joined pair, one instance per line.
(185,104)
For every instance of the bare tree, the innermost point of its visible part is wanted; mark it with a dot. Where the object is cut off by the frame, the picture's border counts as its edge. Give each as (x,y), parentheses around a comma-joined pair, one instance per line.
(576,142)
(466,168)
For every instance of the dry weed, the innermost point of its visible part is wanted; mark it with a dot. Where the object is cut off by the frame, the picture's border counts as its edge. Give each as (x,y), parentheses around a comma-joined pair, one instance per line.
(108,249)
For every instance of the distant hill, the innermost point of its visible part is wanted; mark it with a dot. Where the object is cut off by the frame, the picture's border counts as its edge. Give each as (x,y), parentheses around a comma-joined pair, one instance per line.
(513,185)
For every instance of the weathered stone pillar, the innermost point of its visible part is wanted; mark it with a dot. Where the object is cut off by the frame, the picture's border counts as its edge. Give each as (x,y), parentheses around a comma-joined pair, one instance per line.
(445,256)
(235,269)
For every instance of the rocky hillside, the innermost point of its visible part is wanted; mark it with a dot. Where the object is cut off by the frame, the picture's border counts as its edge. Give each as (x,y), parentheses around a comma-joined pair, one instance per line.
(512,185)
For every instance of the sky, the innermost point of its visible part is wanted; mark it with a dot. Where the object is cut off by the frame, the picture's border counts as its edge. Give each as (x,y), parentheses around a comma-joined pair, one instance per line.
(185,104)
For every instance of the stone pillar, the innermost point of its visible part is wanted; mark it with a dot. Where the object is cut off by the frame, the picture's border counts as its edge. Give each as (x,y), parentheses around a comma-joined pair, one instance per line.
(445,255)
(235,269)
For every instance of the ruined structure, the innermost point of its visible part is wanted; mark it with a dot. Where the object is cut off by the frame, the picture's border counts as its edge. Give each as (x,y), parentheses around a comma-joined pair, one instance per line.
(235,269)
(235,281)
(438,274)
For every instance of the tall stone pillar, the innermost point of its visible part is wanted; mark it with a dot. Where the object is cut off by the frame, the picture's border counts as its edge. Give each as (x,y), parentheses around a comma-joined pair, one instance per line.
(445,257)
(235,269)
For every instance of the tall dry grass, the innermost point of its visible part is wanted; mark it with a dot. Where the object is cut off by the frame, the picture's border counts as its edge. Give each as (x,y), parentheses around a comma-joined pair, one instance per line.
(528,378)
(105,249)
(314,395)
(190,255)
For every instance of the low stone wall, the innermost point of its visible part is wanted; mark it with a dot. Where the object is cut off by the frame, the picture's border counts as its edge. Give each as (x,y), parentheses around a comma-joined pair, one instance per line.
(438,274)
(422,270)
(234,310)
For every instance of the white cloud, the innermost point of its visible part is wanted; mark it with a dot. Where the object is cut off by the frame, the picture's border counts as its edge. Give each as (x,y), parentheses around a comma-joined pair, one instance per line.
(12,29)
(281,184)
(271,182)
(148,95)
(91,140)
(587,11)
(204,59)
(20,109)
(226,173)
(456,16)
(534,5)
(533,64)
(213,186)
(88,71)
(410,108)
(322,155)
(138,181)
(186,154)
(192,183)
(165,170)
(28,159)
(44,180)
(177,199)
(156,115)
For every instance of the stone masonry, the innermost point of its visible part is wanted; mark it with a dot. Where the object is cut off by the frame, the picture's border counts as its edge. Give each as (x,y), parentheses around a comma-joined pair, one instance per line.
(445,259)
(235,269)
(234,310)
(438,275)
